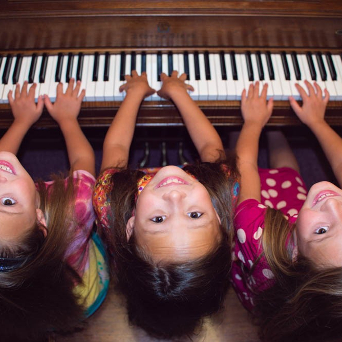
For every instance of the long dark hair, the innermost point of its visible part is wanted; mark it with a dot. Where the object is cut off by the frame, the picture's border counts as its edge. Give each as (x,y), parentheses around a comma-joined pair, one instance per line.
(169,300)
(38,297)
(304,303)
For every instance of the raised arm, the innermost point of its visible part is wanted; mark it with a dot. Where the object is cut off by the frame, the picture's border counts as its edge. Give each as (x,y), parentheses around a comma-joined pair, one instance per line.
(65,111)
(255,111)
(204,136)
(25,112)
(311,113)
(120,133)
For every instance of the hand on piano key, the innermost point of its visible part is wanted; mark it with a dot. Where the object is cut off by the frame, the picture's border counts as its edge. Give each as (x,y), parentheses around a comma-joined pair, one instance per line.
(136,83)
(314,104)
(24,108)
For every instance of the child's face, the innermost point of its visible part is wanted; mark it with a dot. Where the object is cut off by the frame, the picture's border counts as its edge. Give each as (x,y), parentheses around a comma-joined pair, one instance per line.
(18,198)
(319,225)
(174,218)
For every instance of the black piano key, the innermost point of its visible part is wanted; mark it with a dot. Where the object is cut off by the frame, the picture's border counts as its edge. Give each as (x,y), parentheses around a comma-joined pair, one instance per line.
(122,66)
(133,61)
(17,68)
(143,62)
(260,66)
(233,66)
(285,66)
(96,67)
(223,66)
(186,65)
(42,72)
(79,70)
(70,65)
(296,66)
(311,66)
(159,65)
(58,75)
(321,66)
(106,67)
(331,66)
(33,66)
(170,62)
(197,67)
(249,66)
(270,66)
(5,75)
(207,66)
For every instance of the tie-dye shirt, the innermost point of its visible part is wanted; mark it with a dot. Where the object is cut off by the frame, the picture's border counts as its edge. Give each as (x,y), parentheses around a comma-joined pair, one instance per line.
(86,254)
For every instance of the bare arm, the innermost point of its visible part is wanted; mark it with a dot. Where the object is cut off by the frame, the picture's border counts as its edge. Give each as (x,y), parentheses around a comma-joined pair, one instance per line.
(65,111)
(204,136)
(256,112)
(312,114)
(120,133)
(25,113)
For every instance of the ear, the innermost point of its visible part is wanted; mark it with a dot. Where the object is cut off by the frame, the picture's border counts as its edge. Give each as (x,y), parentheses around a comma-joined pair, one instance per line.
(217,215)
(130,227)
(42,221)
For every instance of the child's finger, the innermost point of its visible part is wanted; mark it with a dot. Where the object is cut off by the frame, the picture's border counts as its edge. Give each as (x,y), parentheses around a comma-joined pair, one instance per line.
(294,104)
(40,103)
(24,89)
(32,90)
(270,104)
(264,91)
(174,73)
(311,89)
(48,103)
(70,87)
(318,90)
(243,96)
(163,76)
(17,91)
(82,95)
(59,90)
(128,78)
(256,89)
(302,92)
(183,77)
(326,96)
(77,88)
(10,97)
(134,73)
(190,87)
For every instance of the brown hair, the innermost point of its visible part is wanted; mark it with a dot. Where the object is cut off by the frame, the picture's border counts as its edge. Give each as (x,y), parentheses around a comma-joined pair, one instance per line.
(169,300)
(38,296)
(304,303)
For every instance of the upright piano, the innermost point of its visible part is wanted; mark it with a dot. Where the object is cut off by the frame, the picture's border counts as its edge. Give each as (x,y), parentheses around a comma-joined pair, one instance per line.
(222,45)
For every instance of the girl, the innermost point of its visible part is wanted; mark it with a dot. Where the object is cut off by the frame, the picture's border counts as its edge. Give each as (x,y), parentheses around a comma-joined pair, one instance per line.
(287,267)
(170,227)
(52,266)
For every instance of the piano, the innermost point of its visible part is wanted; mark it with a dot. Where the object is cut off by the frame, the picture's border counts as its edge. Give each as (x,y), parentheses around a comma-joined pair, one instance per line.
(222,45)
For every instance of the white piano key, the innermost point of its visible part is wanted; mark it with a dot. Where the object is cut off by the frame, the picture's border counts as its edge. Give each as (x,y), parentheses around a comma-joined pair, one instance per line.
(330,84)
(272,91)
(241,62)
(180,59)
(149,73)
(202,83)
(280,75)
(276,83)
(74,68)
(338,83)
(212,84)
(36,77)
(109,85)
(176,63)
(53,84)
(22,74)
(138,63)
(84,74)
(293,80)
(63,75)
(100,84)
(90,87)
(192,81)
(217,74)
(2,86)
(128,70)
(118,96)
(234,87)
(319,81)
(27,70)
(165,63)
(9,86)
(304,68)
(155,83)
(44,87)
(256,72)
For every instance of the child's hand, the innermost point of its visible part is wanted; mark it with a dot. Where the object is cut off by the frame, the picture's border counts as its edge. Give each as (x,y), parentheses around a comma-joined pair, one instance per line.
(255,109)
(67,106)
(173,84)
(137,84)
(24,109)
(314,105)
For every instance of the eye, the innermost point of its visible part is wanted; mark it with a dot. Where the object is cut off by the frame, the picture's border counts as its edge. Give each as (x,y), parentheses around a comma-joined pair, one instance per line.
(195,214)
(8,201)
(321,230)
(158,219)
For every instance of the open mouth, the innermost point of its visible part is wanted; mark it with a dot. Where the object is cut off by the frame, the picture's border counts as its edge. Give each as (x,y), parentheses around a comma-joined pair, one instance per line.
(171,181)
(324,194)
(7,167)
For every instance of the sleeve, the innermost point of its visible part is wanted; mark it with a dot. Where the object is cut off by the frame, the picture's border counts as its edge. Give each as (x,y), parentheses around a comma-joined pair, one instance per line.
(83,221)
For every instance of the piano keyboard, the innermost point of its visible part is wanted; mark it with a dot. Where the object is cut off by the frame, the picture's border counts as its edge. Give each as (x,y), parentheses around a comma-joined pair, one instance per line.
(215,76)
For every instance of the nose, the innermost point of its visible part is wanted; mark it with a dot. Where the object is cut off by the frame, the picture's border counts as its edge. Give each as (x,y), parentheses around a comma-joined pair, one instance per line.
(333,206)
(174,195)
(3,179)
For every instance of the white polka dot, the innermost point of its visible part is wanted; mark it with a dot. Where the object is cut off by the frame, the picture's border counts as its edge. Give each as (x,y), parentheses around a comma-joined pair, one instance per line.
(286,184)
(270,182)
(267,273)
(273,193)
(269,203)
(265,194)
(292,212)
(301,197)
(301,189)
(237,277)
(241,235)
(299,180)
(272,172)
(241,257)
(258,233)
(261,206)
(281,205)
